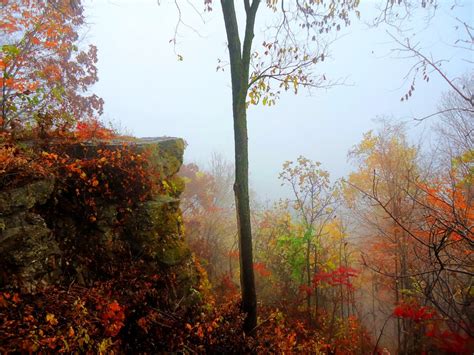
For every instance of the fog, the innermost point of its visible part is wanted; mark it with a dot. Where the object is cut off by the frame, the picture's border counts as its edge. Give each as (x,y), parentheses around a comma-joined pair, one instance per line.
(149,92)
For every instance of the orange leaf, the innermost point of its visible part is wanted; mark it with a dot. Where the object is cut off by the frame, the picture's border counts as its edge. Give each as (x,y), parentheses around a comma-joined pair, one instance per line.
(50,44)
(115,306)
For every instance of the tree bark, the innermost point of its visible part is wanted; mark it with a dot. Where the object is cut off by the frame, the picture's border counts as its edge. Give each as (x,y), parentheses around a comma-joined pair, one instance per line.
(239,63)
(308,281)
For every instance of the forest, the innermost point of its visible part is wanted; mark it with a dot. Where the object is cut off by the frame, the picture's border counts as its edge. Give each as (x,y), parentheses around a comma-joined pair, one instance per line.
(111,243)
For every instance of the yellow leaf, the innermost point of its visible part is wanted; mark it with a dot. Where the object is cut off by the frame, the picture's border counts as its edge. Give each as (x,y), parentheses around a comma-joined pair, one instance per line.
(51,319)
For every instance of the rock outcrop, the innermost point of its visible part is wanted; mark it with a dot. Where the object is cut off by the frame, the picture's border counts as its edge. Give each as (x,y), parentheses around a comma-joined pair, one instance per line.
(42,242)
(27,247)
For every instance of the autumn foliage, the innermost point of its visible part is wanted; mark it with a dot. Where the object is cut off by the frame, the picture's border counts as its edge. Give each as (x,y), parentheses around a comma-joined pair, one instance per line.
(117,175)
(340,276)
(391,269)
(430,327)
(44,74)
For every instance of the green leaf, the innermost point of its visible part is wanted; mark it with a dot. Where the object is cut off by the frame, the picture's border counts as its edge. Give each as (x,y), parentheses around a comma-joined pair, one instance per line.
(10,49)
(308,234)
(57,93)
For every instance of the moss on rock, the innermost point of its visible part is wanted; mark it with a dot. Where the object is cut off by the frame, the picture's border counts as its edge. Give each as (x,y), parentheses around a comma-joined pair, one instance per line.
(25,197)
(67,248)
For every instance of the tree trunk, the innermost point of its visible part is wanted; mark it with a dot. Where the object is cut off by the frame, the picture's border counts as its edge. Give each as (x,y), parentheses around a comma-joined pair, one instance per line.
(239,65)
(308,281)
(247,281)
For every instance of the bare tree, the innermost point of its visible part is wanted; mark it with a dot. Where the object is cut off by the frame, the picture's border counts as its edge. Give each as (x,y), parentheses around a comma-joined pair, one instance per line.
(456,126)
(397,14)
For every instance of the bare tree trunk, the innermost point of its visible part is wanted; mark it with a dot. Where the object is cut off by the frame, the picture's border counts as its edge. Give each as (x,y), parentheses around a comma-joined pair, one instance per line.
(239,64)
(341,289)
(247,279)
(316,293)
(397,301)
(308,281)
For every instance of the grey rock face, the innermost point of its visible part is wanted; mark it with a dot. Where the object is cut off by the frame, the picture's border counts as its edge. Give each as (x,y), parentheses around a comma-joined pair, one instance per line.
(28,251)
(25,197)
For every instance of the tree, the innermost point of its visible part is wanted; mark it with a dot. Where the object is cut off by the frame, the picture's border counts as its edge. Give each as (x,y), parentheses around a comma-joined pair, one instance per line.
(314,201)
(397,15)
(208,214)
(288,54)
(420,228)
(44,76)
(387,170)
(456,126)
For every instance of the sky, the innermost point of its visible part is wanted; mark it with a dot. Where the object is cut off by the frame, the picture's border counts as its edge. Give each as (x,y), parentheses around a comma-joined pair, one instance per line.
(148,92)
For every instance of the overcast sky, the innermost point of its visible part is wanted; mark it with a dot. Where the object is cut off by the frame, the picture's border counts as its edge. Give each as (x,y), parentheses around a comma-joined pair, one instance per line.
(150,93)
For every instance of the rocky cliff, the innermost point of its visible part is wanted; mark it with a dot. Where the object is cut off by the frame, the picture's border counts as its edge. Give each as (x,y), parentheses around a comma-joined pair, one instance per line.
(44,240)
